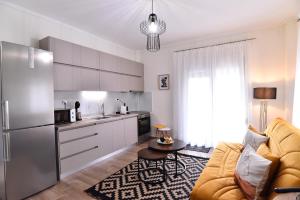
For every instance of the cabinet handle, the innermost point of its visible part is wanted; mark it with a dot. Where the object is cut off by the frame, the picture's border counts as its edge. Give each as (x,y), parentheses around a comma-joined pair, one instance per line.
(80,138)
(6,115)
(6,141)
(80,152)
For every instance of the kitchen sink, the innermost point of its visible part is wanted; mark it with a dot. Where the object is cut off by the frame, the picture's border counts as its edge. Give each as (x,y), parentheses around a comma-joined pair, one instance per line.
(102,117)
(115,115)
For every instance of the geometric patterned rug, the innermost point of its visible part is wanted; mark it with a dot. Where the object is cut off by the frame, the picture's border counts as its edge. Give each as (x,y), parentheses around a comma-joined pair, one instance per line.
(125,184)
(198,148)
(196,151)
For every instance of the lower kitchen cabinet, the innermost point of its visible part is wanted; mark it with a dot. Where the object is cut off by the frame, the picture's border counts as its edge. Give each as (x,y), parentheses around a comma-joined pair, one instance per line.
(130,131)
(105,138)
(81,146)
(118,135)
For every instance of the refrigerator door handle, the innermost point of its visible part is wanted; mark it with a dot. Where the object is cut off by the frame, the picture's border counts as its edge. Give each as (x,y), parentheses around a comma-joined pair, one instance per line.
(6,141)
(6,115)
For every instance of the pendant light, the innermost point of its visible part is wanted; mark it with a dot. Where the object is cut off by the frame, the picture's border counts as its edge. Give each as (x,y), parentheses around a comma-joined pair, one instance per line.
(152,28)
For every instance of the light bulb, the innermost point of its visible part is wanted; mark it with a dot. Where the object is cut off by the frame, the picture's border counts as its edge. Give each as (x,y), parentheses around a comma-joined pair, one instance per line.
(153,27)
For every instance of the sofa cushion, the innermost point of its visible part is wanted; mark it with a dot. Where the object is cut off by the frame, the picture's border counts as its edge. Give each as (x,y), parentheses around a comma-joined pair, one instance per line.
(216,182)
(252,128)
(254,140)
(285,143)
(252,172)
(265,151)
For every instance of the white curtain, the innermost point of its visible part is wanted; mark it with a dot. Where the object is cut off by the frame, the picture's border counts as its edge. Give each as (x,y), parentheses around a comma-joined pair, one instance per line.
(296,106)
(209,95)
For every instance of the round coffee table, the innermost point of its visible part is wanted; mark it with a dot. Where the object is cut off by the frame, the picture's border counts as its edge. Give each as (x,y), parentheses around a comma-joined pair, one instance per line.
(149,155)
(170,148)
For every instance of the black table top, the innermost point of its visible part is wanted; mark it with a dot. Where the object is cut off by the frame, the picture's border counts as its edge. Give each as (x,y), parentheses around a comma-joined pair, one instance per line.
(168,148)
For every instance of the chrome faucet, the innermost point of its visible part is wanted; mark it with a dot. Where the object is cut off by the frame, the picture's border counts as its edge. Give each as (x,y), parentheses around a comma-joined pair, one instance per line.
(102,109)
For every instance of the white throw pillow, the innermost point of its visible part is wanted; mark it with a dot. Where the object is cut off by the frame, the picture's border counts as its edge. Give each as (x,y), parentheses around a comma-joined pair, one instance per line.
(254,140)
(252,172)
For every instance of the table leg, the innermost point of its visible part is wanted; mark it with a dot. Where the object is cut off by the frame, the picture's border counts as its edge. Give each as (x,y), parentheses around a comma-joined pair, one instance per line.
(164,169)
(138,165)
(175,164)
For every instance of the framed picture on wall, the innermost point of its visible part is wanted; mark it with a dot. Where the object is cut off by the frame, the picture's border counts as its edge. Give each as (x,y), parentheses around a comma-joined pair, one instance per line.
(163,81)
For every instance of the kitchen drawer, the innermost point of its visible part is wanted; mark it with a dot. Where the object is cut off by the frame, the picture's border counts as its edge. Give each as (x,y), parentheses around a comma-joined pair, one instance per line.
(74,134)
(79,145)
(78,161)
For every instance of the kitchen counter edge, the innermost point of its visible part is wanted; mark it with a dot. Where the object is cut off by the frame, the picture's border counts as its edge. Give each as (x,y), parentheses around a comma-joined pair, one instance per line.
(90,122)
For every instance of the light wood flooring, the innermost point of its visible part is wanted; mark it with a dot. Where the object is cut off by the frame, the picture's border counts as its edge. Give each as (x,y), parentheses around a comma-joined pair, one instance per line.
(73,186)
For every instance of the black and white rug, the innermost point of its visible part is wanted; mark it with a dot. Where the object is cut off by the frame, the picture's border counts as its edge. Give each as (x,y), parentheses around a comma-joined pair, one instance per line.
(197,151)
(125,184)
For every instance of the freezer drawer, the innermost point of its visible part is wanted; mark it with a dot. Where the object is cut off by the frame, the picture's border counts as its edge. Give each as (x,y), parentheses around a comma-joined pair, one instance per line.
(32,165)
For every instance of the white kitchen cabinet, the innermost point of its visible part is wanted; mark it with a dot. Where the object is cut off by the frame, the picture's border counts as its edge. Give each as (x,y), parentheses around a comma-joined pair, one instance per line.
(105,138)
(108,62)
(112,73)
(86,79)
(62,50)
(131,131)
(117,128)
(120,65)
(76,55)
(63,77)
(130,67)
(111,81)
(73,134)
(89,58)
(72,78)
(78,147)
(81,146)
(76,162)
(135,83)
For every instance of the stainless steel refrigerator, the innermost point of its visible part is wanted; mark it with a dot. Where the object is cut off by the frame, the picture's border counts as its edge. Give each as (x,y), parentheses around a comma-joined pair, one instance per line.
(27,145)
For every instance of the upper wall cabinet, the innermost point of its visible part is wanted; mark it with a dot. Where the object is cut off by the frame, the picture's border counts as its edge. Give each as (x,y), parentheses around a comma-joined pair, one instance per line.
(78,68)
(62,50)
(71,54)
(76,55)
(89,58)
(63,77)
(72,78)
(120,65)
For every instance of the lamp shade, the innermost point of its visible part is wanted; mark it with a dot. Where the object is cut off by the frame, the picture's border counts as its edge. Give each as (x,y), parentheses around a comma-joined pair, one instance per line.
(264,93)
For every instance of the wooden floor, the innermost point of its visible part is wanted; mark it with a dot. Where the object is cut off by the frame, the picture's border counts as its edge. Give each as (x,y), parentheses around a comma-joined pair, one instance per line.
(73,186)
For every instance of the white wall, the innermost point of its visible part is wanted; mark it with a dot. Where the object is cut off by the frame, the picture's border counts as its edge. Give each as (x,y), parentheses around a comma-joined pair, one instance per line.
(271,63)
(22,26)
(155,64)
(290,64)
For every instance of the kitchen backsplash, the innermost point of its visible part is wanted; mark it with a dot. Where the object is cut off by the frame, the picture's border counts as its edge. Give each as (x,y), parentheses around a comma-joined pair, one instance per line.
(90,101)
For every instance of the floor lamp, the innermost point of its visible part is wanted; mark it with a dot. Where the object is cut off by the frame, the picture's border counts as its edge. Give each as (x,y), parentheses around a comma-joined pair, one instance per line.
(264,93)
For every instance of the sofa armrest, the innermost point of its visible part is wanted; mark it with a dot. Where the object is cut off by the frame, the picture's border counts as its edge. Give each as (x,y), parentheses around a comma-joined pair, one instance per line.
(287,189)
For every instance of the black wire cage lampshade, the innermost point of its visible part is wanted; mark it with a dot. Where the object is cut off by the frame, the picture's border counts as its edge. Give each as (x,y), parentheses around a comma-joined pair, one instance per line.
(153,43)
(152,28)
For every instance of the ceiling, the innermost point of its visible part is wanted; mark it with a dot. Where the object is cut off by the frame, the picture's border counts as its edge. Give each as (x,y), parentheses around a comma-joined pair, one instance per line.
(118,20)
